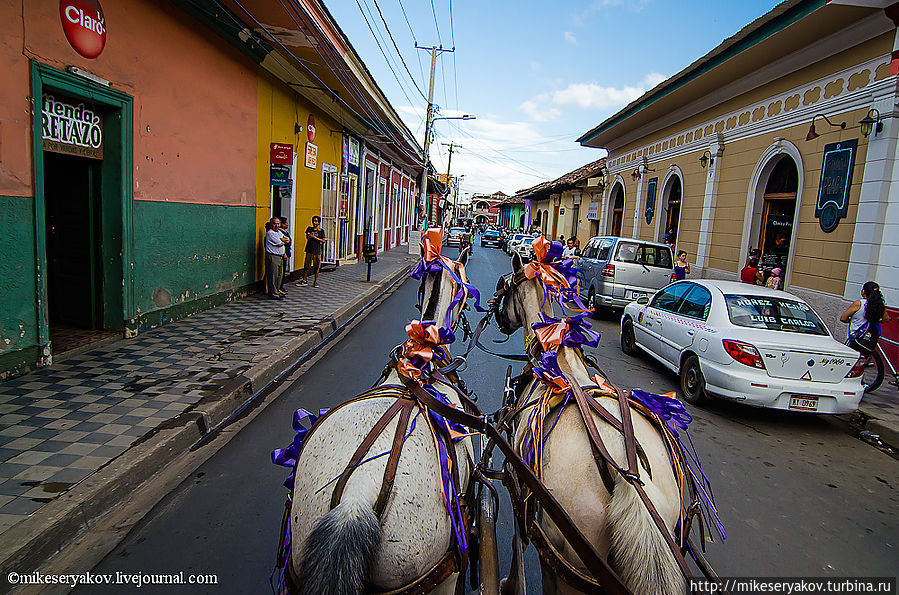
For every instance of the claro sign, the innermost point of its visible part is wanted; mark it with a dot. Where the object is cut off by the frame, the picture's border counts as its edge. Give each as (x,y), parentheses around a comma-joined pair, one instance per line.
(84,25)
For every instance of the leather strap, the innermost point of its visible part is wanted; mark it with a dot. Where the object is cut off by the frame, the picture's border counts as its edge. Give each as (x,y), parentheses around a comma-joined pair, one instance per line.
(579,543)
(393,459)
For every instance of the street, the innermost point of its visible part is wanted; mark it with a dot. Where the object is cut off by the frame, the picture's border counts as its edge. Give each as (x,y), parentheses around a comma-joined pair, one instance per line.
(797,495)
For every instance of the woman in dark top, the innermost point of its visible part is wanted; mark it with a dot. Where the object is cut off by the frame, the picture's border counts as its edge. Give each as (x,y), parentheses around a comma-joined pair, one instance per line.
(681,266)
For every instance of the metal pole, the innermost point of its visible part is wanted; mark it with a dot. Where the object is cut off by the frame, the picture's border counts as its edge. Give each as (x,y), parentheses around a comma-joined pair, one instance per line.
(428,123)
(448,166)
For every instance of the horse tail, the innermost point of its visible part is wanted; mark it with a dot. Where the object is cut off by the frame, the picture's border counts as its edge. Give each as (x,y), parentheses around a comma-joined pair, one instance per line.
(339,551)
(639,553)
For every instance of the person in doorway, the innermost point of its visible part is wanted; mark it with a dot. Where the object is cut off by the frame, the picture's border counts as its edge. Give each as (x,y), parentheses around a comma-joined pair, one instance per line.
(751,273)
(668,238)
(570,250)
(775,281)
(315,243)
(287,250)
(274,258)
(681,266)
(870,310)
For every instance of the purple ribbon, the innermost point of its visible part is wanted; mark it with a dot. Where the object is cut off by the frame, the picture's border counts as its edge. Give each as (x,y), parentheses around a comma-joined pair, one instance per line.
(580,332)
(435,266)
(547,367)
(671,410)
(303,422)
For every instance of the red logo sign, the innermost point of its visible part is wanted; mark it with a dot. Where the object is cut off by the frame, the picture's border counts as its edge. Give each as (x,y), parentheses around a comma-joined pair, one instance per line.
(281,154)
(310,128)
(84,25)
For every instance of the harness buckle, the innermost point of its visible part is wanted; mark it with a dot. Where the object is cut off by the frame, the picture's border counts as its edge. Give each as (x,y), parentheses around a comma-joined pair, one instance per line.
(633,478)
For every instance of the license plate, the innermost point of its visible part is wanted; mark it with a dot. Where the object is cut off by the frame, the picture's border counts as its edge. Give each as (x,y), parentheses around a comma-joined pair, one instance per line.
(803,403)
(636,295)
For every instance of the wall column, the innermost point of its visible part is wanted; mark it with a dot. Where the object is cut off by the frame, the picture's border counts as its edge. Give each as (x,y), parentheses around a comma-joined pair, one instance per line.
(716,148)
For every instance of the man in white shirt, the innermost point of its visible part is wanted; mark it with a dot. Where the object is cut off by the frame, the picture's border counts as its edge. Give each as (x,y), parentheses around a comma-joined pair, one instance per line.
(274,258)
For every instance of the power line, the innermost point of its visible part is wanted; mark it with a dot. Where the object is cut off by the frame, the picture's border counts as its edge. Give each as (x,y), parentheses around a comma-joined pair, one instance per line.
(383,53)
(389,34)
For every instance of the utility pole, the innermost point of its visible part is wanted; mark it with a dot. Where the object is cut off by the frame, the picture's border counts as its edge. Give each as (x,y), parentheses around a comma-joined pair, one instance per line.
(428,123)
(449,164)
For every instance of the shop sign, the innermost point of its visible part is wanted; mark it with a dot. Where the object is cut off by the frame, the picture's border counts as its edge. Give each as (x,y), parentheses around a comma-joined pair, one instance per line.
(343,206)
(354,152)
(84,25)
(836,179)
(346,154)
(310,128)
(562,211)
(281,154)
(593,211)
(651,198)
(311,155)
(71,129)
(280,175)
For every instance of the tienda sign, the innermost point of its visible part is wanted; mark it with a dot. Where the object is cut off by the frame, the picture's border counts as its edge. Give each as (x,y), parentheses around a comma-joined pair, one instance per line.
(84,25)
(71,129)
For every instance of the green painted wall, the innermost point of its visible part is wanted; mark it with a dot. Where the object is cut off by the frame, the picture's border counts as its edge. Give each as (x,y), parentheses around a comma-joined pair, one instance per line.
(184,253)
(18,327)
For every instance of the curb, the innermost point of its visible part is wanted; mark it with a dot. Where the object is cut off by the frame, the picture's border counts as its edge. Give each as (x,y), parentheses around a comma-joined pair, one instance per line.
(31,543)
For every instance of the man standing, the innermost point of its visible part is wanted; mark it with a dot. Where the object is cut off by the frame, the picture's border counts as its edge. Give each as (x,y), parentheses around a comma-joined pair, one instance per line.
(286,233)
(274,258)
(315,243)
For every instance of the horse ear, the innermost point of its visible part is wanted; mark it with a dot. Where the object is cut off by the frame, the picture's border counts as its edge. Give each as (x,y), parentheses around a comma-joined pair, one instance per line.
(517,264)
(463,256)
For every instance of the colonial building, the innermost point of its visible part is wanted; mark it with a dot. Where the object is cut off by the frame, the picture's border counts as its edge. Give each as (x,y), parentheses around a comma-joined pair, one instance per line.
(567,206)
(781,139)
(511,213)
(134,182)
(485,207)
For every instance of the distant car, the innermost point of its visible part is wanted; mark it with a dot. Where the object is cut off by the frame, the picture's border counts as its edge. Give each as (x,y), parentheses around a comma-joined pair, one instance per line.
(454,236)
(616,271)
(492,237)
(514,240)
(524,248)
(745,343)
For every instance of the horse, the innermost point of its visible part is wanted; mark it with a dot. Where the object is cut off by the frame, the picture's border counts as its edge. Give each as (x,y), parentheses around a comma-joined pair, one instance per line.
(617,523)
(349,548)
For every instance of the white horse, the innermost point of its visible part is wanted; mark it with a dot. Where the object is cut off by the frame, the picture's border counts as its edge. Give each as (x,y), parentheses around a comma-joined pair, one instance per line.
(348,549)
(618,525)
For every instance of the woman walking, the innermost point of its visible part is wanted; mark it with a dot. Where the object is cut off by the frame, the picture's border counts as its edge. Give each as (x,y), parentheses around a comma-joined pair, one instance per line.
(866,314)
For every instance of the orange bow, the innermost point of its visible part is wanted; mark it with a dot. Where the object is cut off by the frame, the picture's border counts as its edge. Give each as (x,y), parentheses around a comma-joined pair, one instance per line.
(549,276)
(431,241)
(423,342)
(550,336)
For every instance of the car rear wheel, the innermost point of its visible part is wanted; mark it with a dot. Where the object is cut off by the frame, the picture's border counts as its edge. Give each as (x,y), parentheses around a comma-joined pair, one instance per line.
(591,303)
(692,382)
(628,340)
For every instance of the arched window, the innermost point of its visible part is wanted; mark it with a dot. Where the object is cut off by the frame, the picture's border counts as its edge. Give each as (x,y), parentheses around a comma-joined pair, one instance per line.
(673,194)
(778,210)
(617,213)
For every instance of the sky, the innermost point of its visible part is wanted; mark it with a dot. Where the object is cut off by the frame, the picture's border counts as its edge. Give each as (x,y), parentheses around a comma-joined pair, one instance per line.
(537,75)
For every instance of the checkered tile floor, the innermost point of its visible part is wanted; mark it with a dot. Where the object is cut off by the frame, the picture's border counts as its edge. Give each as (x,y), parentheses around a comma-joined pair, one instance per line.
(60,424)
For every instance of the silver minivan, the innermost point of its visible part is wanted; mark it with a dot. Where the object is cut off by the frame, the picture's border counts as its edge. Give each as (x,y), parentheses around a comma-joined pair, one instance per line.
(616,271)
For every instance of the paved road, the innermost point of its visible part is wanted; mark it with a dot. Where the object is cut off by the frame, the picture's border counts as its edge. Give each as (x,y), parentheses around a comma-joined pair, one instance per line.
(797,495)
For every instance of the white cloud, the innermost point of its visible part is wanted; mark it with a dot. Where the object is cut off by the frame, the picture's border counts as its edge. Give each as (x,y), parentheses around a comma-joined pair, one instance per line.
(587,96)
(570,38)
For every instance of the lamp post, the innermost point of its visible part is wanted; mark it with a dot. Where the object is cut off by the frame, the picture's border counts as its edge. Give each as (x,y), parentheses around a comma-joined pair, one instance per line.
(429,123)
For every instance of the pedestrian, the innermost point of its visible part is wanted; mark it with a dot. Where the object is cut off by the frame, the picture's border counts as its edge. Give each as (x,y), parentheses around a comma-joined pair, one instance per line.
(750,273)
(681,266)
(775,281)
(285,231)
(274,258)
(570,250)
(866,314)
(315,243)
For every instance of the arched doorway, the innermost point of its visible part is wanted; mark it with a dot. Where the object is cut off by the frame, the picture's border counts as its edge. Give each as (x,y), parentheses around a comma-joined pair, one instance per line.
(537,222)
(673,194)
(778,211)
(616,214)
(545,221)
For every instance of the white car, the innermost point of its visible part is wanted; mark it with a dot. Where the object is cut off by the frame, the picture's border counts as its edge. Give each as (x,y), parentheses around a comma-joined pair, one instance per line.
(524,248)
(745,343)
(514,241)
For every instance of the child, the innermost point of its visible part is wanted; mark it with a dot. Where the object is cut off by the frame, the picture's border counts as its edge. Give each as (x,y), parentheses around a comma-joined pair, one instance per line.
(774,281)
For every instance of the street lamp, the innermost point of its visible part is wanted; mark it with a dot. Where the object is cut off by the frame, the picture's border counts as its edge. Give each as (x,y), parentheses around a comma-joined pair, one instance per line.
(427,145)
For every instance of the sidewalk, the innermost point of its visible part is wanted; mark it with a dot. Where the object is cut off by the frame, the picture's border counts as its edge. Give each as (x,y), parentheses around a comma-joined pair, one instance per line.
(77,437)
(878,413)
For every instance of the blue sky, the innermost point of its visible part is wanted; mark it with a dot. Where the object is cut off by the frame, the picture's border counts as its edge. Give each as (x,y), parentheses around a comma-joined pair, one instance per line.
(536,74)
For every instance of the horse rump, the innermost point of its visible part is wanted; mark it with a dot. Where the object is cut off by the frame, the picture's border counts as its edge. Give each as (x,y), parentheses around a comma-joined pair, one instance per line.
(639,553)
(339,551)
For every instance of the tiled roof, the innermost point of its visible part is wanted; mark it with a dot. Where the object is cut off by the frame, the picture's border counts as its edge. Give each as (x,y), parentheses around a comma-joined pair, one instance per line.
(564,182)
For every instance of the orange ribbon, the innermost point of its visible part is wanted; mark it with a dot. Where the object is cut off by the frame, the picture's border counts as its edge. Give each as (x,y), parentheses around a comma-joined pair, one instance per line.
(431,242)
(423,342)
(549,276)
(550,336)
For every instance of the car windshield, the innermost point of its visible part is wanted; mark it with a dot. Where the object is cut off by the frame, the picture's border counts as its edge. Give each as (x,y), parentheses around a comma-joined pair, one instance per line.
(773,313)
(491,232)
(456,231)
(520,236)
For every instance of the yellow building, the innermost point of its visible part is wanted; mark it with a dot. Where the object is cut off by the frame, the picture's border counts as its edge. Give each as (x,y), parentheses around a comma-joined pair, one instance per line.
(762,145)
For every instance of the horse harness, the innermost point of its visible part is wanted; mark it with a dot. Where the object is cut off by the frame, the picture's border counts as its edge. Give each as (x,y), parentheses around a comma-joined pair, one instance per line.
(603,579)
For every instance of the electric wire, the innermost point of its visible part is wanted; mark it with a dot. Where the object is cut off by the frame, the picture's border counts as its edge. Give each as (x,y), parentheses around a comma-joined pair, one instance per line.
(383,53)
(389,34)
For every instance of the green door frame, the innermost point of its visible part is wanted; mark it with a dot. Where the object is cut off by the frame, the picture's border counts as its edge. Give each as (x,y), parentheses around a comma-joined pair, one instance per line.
(44,76)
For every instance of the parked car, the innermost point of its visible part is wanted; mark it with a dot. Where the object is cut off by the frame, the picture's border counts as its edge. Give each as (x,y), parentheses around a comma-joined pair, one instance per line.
(616,271)
(759,346)
(492,237)
(454,236)
(524,248)
(513,242)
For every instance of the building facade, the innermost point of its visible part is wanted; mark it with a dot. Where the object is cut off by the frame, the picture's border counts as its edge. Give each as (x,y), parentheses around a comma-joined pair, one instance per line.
(134,184)
(727,156)
(485,207)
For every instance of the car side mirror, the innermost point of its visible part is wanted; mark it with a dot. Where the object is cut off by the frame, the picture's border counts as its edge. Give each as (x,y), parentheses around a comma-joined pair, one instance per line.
(644,300)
